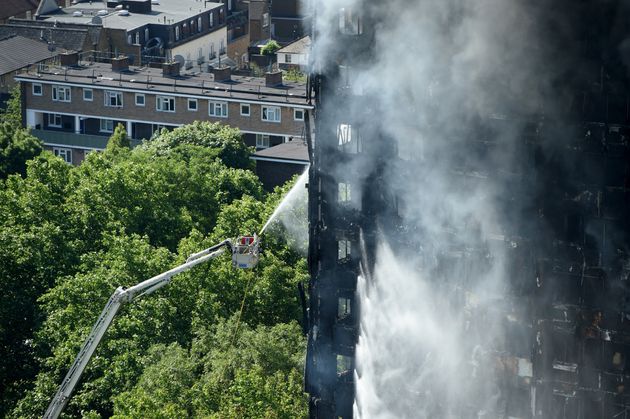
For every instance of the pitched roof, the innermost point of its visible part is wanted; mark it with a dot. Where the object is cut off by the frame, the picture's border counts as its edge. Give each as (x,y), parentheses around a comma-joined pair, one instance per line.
(301,46)
(16,7)
(294,151)
(73,39)
(18,52)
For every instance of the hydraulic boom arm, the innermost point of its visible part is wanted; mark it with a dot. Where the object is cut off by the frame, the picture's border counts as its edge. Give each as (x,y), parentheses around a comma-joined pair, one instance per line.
(245,247)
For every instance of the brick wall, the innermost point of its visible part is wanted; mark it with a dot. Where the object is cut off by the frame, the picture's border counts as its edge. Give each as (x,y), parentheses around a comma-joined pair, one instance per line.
(96,108)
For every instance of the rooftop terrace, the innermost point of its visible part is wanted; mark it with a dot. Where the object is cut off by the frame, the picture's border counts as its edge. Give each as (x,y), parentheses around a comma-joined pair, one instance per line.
(190,82)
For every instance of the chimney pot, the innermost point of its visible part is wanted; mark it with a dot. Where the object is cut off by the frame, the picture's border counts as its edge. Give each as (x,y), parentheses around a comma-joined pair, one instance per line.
(171,69)
(120,63)
(69,59)
(273,79)
(222,74)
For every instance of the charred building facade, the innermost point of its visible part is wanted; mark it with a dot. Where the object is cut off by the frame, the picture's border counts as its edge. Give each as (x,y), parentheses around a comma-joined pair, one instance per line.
(562,349)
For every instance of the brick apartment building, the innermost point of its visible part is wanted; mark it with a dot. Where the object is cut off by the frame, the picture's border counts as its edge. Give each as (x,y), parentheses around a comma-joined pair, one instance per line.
(75,108)
(190,31)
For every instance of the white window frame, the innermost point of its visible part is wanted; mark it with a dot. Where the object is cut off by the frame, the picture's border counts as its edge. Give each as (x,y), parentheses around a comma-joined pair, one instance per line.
(109,95)
(199,24)
(265,20)
(249,109)
(287,58)
(106,125)
(163,104)
(144,100)
(41,89)
(271,114)
(213,105)
(177,31)
(85,98)
(61,94)
(211,19)
(137,37)
(295,114)
(263,141)
(196,107)
(64,153)
(146,35)
(53,117)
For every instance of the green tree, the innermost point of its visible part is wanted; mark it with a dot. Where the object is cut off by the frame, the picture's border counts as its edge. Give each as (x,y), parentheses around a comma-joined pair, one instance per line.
(17,146)
(270,48)
(255,374)
(225,141)
(119,139)
(34,252)
(12,114)
(70,235)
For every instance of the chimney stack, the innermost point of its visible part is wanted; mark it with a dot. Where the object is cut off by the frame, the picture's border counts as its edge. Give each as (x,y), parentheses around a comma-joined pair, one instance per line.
(171,69)
(69,59)
(273,79)
(222,74)
(120,64)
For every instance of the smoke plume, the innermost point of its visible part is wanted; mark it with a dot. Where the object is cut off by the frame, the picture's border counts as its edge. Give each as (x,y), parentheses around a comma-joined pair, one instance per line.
(457,86)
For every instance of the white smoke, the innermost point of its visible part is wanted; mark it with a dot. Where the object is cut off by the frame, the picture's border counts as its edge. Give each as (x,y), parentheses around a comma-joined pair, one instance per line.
(435,311)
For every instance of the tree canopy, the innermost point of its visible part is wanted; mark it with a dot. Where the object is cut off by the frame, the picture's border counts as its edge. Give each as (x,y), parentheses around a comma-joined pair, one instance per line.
(17,145)
(70,235)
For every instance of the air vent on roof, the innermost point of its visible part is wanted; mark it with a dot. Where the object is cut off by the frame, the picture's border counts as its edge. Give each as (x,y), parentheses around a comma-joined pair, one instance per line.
(102,12)
(78,13)
(123,13)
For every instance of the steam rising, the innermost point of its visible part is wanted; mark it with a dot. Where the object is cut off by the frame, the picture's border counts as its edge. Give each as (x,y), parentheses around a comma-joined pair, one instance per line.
(452,83)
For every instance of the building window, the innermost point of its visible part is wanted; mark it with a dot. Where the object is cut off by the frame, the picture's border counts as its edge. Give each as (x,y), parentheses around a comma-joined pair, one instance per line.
(54,120)
(265,20)
(199,24)
(344,192)
(344,249)
(270,113)
(298,114)
(165,104)
(211,19)
(192,104)
(217,109)
(349,22)
(37,89)
(146,35)
(137,37)
(113,99)
(262,141)
(245,109)
(88,95)
(177,33)
(287,58)
(61,94)
(107,125)
(64,153)
(139,99)
(344,307)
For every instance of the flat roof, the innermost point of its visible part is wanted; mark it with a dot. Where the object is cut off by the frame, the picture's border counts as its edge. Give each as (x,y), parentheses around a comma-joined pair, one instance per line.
(173,11)
(190,83)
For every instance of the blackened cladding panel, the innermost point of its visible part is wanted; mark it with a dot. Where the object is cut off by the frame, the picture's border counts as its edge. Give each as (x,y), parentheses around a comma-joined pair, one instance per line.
(566,353)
